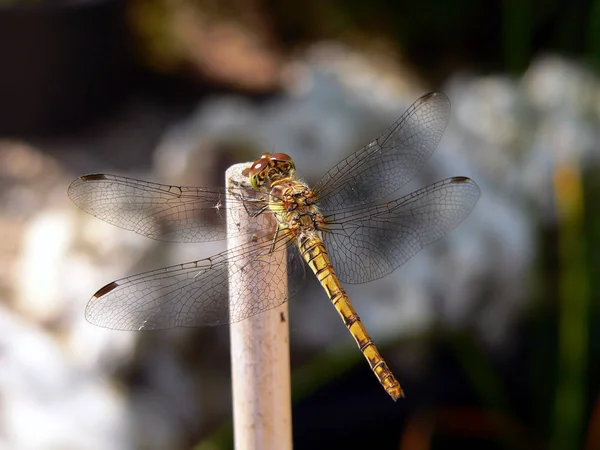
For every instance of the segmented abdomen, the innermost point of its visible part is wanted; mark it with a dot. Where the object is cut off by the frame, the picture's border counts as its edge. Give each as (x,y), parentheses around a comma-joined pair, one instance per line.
(314,253)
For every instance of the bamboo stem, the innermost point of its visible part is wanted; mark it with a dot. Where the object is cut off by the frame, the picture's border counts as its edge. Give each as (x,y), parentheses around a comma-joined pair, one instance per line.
(260,368)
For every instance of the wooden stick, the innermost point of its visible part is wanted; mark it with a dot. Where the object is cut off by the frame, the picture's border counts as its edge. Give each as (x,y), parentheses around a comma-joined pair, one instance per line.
(260,360)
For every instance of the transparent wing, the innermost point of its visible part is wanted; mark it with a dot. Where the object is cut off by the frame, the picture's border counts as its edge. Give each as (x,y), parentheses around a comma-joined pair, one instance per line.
(371,242)
(192,294)
(158,211)
(297,271)
(390,161)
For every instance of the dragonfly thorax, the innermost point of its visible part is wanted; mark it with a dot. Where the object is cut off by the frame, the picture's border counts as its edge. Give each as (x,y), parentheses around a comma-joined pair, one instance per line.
(293,204)
(269,168)
(291,194)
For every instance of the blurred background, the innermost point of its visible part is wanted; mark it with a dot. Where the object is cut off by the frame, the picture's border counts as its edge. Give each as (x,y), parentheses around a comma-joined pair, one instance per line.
(493,331)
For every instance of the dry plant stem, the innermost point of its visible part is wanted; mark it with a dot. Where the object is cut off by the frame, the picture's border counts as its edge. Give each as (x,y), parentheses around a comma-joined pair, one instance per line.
(260,361)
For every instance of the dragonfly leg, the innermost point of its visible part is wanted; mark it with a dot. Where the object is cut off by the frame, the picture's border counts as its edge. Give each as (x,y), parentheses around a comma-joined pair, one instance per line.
(256,213)
(273,242)
(254,200)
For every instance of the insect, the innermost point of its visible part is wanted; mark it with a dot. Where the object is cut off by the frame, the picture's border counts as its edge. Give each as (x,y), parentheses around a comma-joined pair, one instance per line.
(337,228)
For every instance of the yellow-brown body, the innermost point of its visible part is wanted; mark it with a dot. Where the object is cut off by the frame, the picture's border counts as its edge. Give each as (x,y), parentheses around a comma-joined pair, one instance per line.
(292,202)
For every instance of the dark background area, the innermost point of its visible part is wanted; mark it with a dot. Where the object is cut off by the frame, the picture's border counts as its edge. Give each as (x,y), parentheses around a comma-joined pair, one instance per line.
(93,86)
(68,62)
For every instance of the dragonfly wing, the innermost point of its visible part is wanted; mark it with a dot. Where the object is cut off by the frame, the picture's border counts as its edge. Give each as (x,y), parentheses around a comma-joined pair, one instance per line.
(297,272)
(390,161)
(193,294)
(371,242)
(158,211)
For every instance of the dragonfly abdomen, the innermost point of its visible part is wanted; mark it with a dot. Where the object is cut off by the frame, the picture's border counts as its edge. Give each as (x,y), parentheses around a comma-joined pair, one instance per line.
(314,253)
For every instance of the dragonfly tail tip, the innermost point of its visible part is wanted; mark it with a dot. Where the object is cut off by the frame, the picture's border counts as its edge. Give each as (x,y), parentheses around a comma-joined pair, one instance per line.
(397,394)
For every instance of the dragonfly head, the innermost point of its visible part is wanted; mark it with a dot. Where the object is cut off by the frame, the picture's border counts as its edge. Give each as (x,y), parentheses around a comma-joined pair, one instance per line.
(268,168)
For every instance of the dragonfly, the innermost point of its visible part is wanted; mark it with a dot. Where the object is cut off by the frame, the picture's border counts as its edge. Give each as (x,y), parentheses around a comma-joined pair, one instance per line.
(344,229)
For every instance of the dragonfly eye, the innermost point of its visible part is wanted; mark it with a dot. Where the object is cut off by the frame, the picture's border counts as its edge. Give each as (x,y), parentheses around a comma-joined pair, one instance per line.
(283,166)
(279,157)
(257,173)
(270,167)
